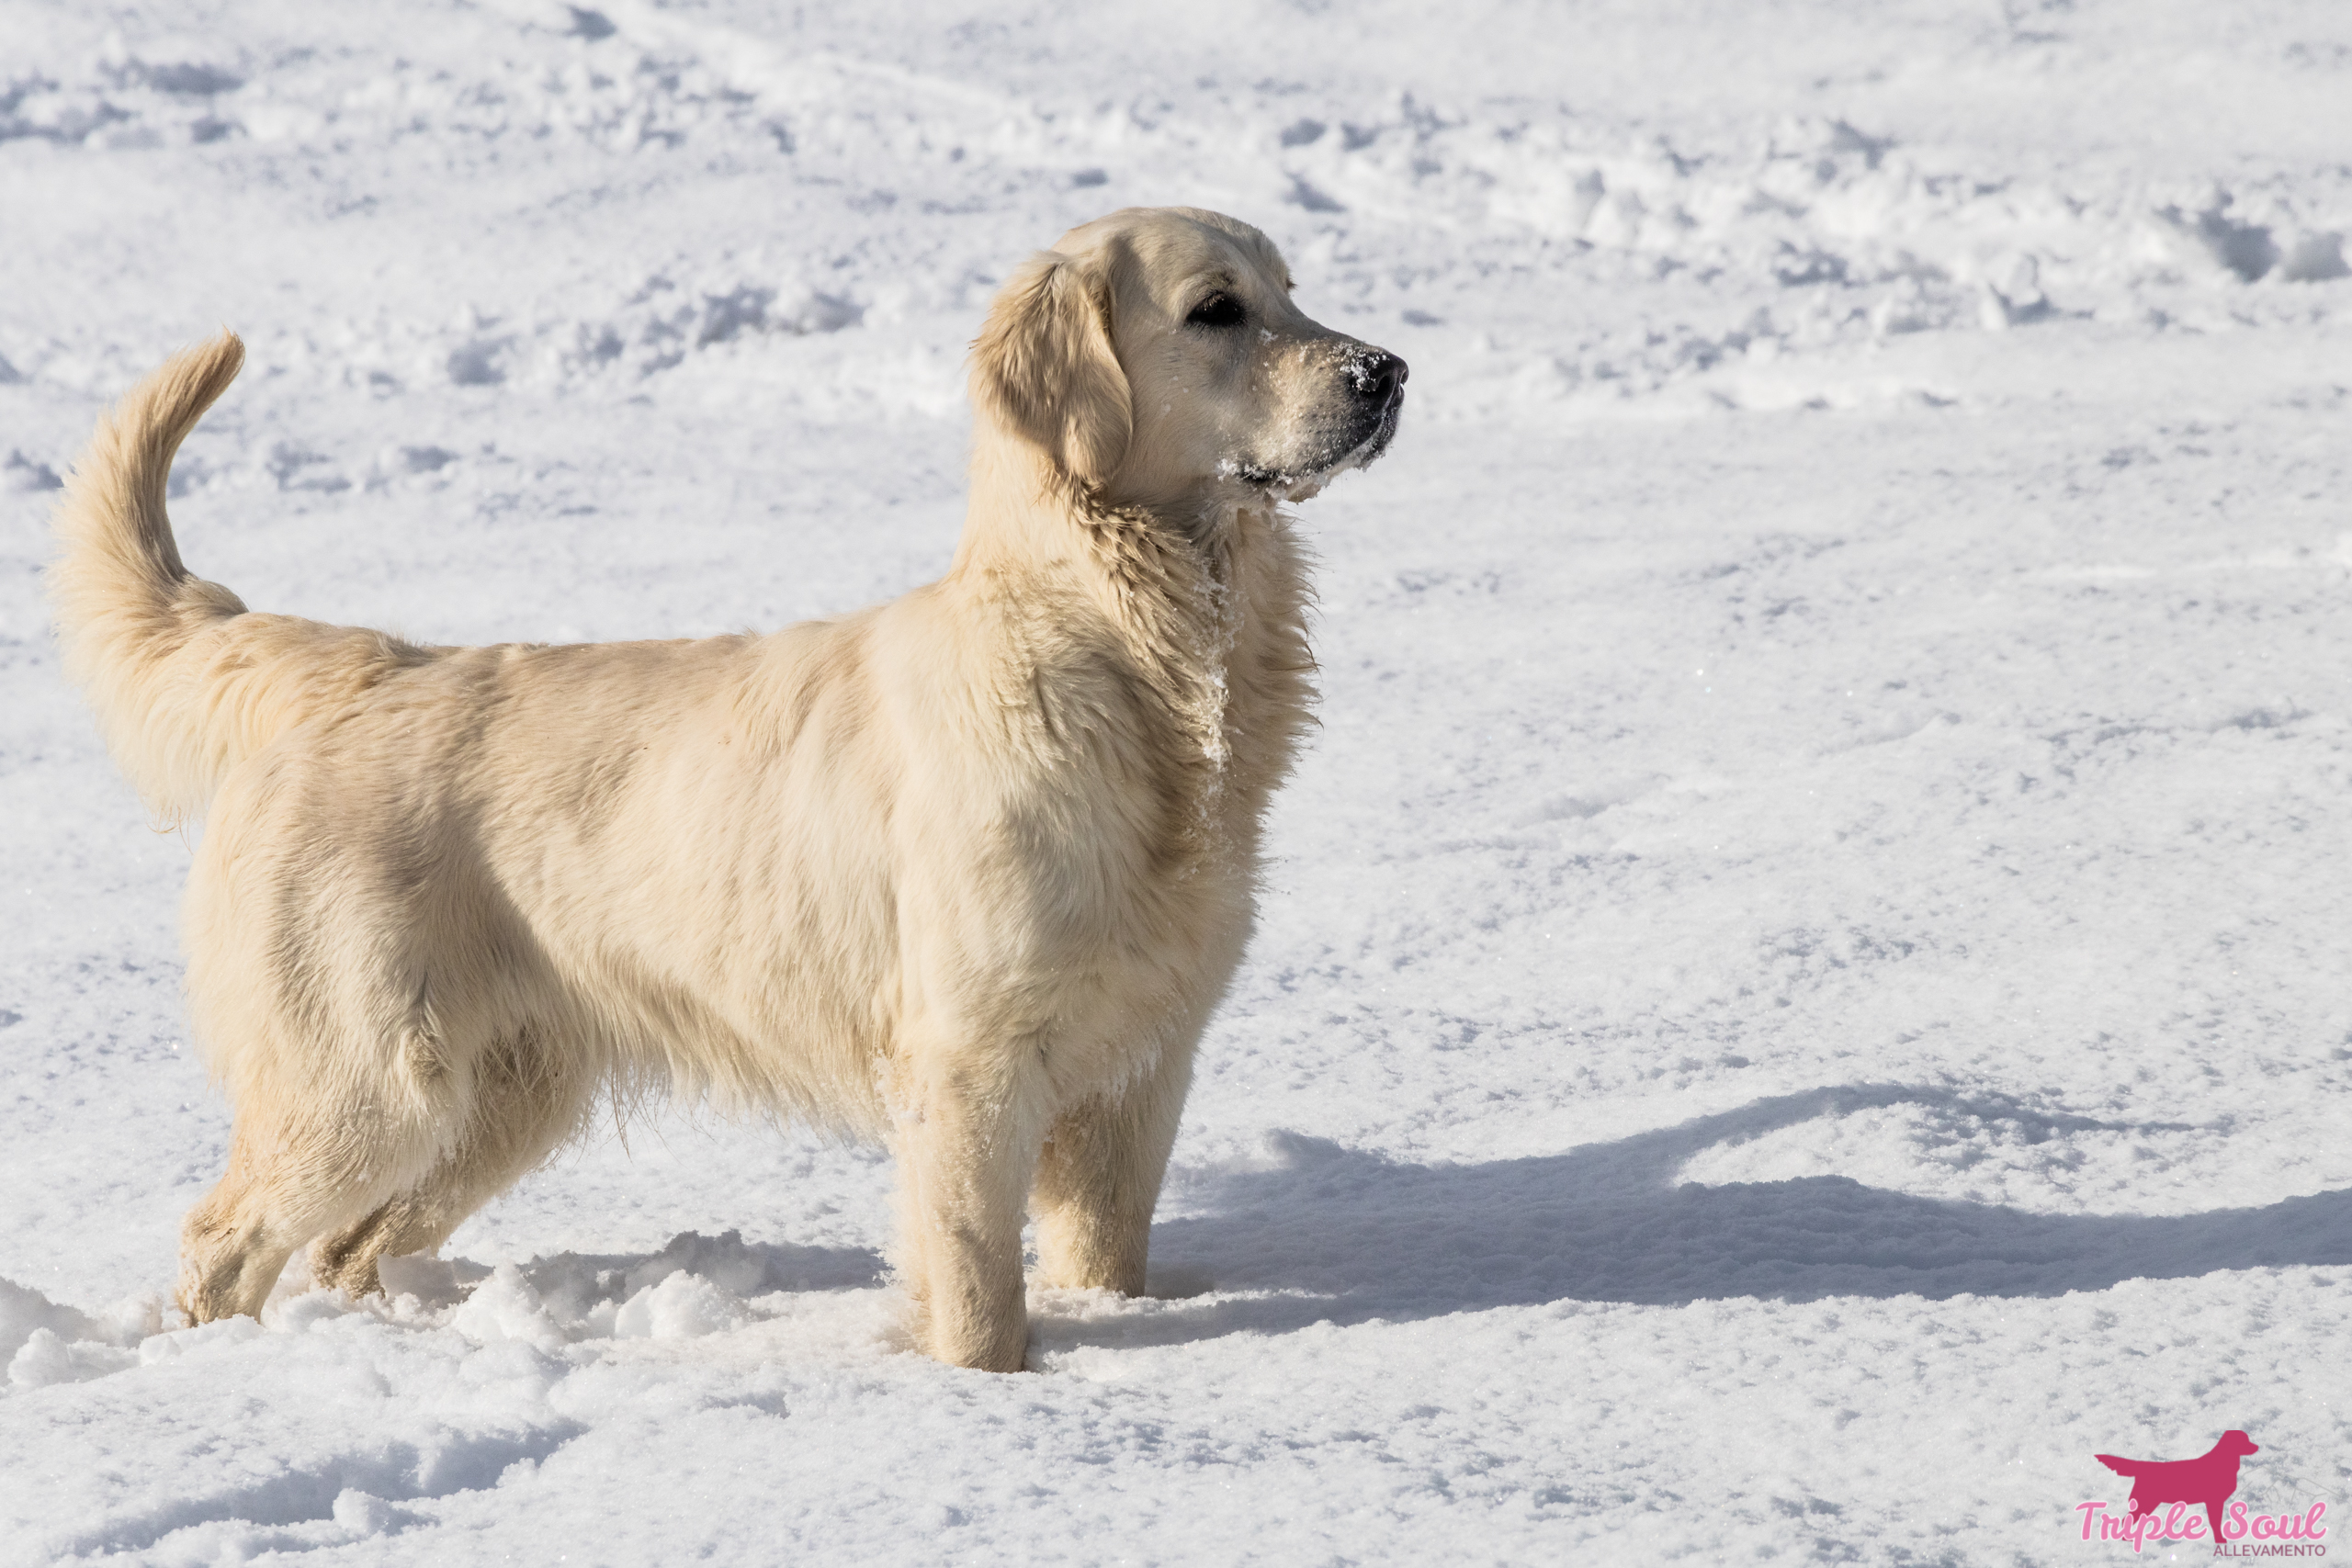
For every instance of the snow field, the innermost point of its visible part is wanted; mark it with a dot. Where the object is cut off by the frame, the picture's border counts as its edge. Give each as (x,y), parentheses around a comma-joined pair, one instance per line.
(1799,994)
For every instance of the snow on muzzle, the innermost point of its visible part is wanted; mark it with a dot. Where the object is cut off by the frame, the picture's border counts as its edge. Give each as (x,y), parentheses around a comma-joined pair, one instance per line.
(1347,423)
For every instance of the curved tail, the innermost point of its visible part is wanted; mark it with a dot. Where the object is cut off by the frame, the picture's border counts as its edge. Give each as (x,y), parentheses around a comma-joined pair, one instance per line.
(187,681)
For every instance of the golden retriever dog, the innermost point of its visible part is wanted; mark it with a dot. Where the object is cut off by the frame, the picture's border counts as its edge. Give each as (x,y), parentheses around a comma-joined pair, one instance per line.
(967,871)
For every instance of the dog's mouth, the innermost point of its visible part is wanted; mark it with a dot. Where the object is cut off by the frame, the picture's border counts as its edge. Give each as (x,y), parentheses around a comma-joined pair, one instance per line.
(1358,446)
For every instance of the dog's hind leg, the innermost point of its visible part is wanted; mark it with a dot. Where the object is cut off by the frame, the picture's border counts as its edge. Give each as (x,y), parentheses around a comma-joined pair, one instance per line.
(526,1106)
(287,1181)
(1099,1179)
(347,1095)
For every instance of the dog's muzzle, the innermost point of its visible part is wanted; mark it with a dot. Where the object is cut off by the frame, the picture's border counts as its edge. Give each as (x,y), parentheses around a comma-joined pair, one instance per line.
(1375,385)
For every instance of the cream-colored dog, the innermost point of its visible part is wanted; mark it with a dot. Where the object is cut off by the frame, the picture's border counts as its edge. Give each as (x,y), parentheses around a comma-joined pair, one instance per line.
(968,870)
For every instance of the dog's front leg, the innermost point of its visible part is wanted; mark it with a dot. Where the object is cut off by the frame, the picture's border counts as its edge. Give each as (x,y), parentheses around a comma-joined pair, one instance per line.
(966,1158)
(1099,1179)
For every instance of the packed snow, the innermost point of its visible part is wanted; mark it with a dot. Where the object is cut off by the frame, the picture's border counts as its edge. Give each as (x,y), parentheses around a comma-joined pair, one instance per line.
(1802,991)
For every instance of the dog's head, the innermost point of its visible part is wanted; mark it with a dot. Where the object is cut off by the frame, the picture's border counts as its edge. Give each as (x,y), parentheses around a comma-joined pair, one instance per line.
(2236,1442)
(1154,358)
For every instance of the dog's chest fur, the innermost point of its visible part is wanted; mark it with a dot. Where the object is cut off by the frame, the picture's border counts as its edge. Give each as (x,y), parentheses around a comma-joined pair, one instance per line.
(1153,691)
(1208,635)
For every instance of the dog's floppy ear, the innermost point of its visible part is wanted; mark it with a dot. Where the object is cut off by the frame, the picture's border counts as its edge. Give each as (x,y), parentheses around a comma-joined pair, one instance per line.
(1043,369)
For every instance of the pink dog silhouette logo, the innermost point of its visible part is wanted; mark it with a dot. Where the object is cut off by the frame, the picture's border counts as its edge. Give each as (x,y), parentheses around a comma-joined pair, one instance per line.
(2167,1496)
(2207,1482)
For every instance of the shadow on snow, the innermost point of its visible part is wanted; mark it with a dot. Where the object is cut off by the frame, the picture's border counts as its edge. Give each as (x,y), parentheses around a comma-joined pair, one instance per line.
(1335,1234)
(1359,1237)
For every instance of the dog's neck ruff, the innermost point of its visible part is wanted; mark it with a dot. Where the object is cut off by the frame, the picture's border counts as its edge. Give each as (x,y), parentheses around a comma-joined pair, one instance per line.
(1196,606)
(1174,594)
(1204,607)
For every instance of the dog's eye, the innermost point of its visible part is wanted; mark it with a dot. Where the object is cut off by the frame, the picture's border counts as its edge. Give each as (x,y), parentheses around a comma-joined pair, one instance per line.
(1217,310)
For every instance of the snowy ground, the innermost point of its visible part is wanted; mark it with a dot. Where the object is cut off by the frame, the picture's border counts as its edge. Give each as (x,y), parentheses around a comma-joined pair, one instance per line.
(1802,994)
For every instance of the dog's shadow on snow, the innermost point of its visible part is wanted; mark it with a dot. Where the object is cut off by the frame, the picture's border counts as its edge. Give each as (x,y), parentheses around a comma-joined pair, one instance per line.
(1325,1234)
(1346,1236)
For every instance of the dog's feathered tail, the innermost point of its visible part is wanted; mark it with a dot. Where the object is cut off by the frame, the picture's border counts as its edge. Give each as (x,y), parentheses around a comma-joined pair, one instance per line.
(187,681)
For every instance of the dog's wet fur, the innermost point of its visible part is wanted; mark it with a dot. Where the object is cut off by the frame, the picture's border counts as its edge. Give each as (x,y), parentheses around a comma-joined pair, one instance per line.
(966,871)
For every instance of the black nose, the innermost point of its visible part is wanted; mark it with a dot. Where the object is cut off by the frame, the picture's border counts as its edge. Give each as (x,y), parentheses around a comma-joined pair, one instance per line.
(1378,378)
